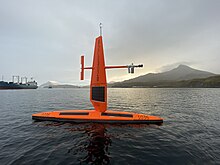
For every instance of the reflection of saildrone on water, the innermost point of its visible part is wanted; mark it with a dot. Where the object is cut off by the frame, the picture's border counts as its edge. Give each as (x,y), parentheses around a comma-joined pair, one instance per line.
(97,145)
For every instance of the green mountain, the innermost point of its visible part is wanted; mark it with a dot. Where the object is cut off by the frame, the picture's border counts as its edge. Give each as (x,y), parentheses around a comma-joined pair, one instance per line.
(182,72)
(182,76)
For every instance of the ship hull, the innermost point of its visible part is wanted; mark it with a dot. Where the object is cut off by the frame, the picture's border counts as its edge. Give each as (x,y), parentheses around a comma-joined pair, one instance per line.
(5,86)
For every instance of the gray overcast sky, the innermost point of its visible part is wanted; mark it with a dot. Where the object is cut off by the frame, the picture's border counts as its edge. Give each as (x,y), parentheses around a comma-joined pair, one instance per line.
(45,38)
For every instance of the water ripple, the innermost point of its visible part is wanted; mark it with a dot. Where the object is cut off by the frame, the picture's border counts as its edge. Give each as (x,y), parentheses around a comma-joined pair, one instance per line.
(189,135)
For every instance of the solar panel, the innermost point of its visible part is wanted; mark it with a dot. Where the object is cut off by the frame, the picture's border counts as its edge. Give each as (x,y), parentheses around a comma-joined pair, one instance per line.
(98,93)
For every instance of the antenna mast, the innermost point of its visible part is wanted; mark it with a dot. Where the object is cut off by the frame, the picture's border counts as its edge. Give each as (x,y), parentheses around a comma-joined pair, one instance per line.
(100,26)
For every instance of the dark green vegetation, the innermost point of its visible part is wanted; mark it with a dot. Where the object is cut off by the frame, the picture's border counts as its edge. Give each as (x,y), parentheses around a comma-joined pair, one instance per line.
(180,77)
(210,82)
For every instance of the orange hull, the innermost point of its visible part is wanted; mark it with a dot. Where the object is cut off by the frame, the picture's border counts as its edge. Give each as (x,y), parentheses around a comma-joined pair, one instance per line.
(88,116)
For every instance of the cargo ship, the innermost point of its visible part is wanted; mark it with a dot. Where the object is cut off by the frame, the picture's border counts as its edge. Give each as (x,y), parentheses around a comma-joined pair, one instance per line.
(18,84)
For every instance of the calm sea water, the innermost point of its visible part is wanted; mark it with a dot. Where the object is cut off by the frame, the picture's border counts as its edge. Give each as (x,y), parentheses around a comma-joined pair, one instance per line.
(190,133)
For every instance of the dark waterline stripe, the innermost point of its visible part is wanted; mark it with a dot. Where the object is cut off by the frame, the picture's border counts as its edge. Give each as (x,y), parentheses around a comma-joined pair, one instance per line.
(117,115)
(157,122)
(74,113)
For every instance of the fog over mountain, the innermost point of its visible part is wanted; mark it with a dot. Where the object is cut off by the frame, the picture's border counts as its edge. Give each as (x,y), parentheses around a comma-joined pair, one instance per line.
(55,84)
(49,83)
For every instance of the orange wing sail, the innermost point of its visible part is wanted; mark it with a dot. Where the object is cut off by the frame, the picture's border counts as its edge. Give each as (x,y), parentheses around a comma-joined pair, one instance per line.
(98,86)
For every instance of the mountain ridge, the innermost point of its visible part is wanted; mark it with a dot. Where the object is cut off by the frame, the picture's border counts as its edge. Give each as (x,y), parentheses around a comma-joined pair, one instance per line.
(181,76)
(182,72)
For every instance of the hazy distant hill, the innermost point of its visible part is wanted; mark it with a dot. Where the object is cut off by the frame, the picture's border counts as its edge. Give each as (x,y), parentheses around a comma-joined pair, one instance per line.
(54,84)
(182,76)
(49,83)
